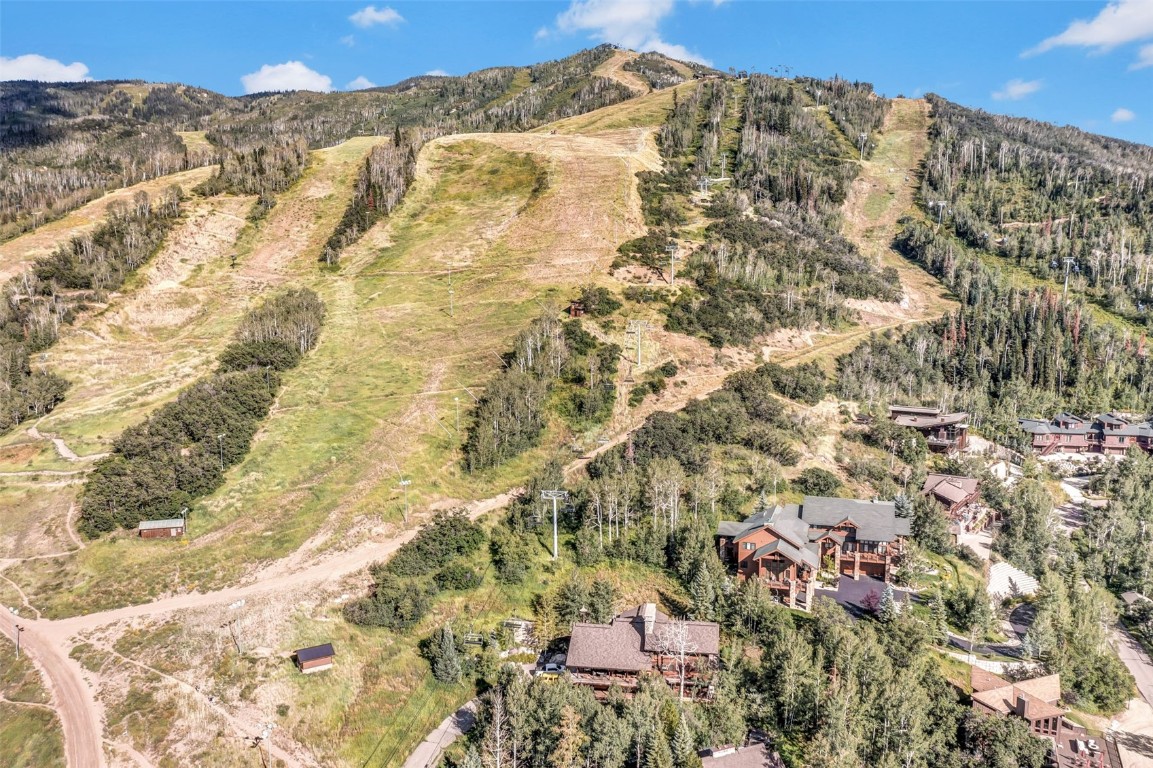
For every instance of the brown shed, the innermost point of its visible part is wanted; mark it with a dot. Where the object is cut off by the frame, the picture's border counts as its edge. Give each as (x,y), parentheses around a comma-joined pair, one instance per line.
(315,659)
(160,529)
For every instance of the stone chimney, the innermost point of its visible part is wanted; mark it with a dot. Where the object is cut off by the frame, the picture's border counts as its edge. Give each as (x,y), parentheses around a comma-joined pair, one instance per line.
(649,611)
(1022,706)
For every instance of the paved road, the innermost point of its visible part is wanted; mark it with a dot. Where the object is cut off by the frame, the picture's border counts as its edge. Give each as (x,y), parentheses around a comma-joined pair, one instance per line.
(1137,661)
(450,729)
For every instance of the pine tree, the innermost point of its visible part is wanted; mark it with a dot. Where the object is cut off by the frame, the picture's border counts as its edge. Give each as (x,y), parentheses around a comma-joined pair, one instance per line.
(887,610)
(704,595)
(471,759)
(446,663)
(602,597)
(939,618)
(570,740)
(657,752)
(683,750)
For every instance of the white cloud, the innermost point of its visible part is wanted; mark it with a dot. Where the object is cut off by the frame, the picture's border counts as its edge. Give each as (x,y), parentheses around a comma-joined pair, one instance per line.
(1017,89)
(359,84)
(1144,58)
(630,23)
(1122,115)
(348,40)
(289,76)
(437,73)
(544,33)
(370,16)
(1124,21)
(1120,22)
(33,66)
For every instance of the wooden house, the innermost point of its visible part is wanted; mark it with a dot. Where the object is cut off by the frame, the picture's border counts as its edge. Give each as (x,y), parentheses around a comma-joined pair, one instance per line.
(316,658)
(945,432)
(160,529)
(1036,701)
(636,642)
(784,547)
(959,497)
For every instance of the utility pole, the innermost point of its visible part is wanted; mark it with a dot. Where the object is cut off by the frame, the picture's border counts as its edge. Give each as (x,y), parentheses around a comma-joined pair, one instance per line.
(1069,261)
(671,250)
(404,484)
(555,496)
(20,631)
(638,327)
(220,443)
(456,402)
(862,141)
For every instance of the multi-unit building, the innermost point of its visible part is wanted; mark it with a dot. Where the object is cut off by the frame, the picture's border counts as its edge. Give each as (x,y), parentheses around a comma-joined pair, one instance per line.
(945,432)
(787,545)
(644,640)
(1106,433)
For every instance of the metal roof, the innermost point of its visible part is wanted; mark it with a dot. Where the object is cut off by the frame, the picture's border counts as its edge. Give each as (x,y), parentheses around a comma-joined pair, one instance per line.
(315,652)
(152,525)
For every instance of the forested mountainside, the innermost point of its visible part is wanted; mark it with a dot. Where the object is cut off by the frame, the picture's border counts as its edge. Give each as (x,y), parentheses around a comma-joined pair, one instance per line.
(65,143)
(773,254)
(1006,202)
(1049,199)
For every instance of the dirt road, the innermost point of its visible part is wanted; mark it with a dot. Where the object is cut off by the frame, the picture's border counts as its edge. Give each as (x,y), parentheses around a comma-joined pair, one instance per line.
(48,643)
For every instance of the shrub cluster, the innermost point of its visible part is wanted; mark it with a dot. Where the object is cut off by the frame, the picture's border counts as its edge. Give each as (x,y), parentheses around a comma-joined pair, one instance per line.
(180,453)
(404,586)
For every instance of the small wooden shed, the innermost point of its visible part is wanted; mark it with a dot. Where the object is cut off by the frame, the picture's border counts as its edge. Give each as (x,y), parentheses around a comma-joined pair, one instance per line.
(315,659)
(160,529)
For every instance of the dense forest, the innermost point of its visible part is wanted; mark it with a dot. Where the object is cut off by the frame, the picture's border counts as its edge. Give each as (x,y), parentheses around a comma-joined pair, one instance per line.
(57,287)
(773,254)
(1051,200)
(181,452)
(1009,351)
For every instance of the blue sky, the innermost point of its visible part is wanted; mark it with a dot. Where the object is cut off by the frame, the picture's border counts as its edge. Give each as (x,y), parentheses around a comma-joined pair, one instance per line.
(1088,64)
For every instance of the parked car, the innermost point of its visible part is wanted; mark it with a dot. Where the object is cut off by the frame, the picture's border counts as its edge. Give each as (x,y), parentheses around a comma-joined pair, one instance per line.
(551,670)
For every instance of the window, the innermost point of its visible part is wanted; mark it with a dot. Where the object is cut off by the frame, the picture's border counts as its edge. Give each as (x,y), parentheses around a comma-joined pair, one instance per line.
(748,545)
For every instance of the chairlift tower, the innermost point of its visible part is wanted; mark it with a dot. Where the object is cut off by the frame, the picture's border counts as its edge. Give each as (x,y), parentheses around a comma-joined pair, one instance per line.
(671,249)
(554,496)
(638,327)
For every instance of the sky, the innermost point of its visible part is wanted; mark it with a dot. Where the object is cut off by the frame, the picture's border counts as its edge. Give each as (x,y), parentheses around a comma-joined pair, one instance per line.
(1088,64)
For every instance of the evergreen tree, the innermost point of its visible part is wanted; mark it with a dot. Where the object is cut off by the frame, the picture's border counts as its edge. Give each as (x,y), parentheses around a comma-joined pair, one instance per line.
(683,750)
(602,598)
(471,759)
(446,660)
(939,618)
(704,594)
(887,610)
(570,740)
(657,752)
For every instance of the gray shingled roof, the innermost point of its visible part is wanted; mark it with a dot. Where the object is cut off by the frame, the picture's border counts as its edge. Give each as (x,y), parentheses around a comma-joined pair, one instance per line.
(875,520)
(800,556)
(1085,426)
(622,646)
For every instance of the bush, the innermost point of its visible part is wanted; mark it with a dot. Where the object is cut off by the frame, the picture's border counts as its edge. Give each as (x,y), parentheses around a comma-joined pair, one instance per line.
(457,576)
(598,301)
(447,536)
(394,603)
(815,481)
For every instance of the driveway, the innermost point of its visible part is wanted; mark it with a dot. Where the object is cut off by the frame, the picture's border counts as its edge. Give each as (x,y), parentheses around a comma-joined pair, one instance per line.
(851,594)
